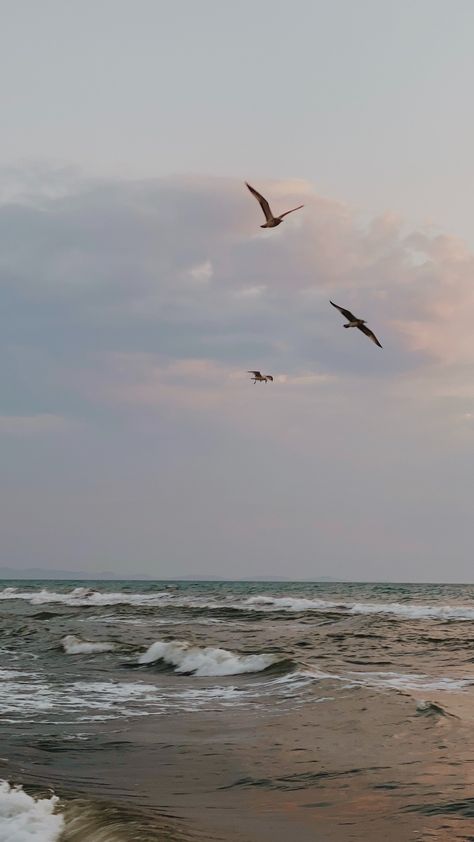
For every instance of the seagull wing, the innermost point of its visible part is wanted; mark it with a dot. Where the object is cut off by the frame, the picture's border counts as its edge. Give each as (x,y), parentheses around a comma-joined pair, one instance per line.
(290,211)
(262,202)
(369,333)
(346,313)
(255,373)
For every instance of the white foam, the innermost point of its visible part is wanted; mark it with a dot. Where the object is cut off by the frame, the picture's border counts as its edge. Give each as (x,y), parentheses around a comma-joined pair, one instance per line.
(85,700)
(414,611)
(86,597)
(392,680)
(187,658)
(91,701)
(73,645)
(288,603)
(409,681)
(27,819)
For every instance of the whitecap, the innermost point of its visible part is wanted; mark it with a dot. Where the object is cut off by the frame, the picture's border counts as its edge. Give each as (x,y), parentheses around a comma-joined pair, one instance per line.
(288,603)
(27,819)
(87,597)
(73,645)
(84,597)
(207,660)
(414,611)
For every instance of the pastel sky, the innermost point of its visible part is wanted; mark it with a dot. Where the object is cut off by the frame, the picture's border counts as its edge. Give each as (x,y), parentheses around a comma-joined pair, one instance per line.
(136,287)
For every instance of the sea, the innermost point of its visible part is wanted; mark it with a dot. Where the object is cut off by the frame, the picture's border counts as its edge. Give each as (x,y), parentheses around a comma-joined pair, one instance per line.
(258,712)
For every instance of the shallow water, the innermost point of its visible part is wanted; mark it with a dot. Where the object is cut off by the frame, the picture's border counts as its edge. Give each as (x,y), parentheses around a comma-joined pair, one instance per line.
(240,711)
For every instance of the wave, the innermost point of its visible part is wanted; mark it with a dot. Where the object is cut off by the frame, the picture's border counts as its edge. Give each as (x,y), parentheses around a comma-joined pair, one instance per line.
(24,698)
(24,818)
(27,698)
(73,645)
(290,603)
(394,680)
(189,659)
(27,819)
(88,820)
(100,701)
(416,611)
(401,681)
(427,708)
(231,608)
(86,597)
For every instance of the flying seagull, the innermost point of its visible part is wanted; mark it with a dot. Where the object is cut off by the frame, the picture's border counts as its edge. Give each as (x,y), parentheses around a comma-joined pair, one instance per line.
(353,321)
(262,378)
(271,221)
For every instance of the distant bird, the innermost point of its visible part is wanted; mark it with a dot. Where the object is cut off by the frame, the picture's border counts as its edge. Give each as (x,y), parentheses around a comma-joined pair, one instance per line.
(271,221)
(262,378)
(353,321)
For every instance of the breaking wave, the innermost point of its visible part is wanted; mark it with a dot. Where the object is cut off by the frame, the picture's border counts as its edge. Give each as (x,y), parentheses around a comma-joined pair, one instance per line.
(397,609)
(291,603)
(238,609)
(85,597)
(27,819)
(416,612)
(24,818)
(196,660)
(73,645)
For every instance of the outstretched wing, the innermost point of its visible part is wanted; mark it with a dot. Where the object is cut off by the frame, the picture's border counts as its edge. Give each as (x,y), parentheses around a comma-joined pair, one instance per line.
(369,333)
(255,373)
(290,211)
(269,377)
(346,313)
(262,202)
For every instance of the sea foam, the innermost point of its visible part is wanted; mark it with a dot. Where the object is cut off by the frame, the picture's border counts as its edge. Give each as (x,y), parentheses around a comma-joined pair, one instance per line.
(187,658)
(27,819)
(73,645)
(393,680)
(88,597)
(409,681)
(403,611)
(85,597)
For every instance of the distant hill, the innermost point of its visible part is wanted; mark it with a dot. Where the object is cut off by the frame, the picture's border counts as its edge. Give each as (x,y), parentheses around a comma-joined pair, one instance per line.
(197,578)
(73,575)
(36,573)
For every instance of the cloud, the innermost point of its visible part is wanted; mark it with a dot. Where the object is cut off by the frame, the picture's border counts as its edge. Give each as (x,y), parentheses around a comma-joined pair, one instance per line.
(131,313)
(179,269)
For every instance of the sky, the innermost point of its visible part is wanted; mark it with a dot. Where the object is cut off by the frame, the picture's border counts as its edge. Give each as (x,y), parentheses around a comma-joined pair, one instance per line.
(137,288)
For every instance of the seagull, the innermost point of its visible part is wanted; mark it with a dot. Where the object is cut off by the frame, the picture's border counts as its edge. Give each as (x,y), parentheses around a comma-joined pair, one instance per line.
(271,221)
(353,321)
(262,378)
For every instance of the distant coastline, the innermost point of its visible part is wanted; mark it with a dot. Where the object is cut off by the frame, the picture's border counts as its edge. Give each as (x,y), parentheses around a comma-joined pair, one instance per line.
(40,574)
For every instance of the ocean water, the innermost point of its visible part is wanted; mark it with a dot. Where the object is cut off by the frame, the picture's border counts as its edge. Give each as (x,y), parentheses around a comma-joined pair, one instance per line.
(238,711)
